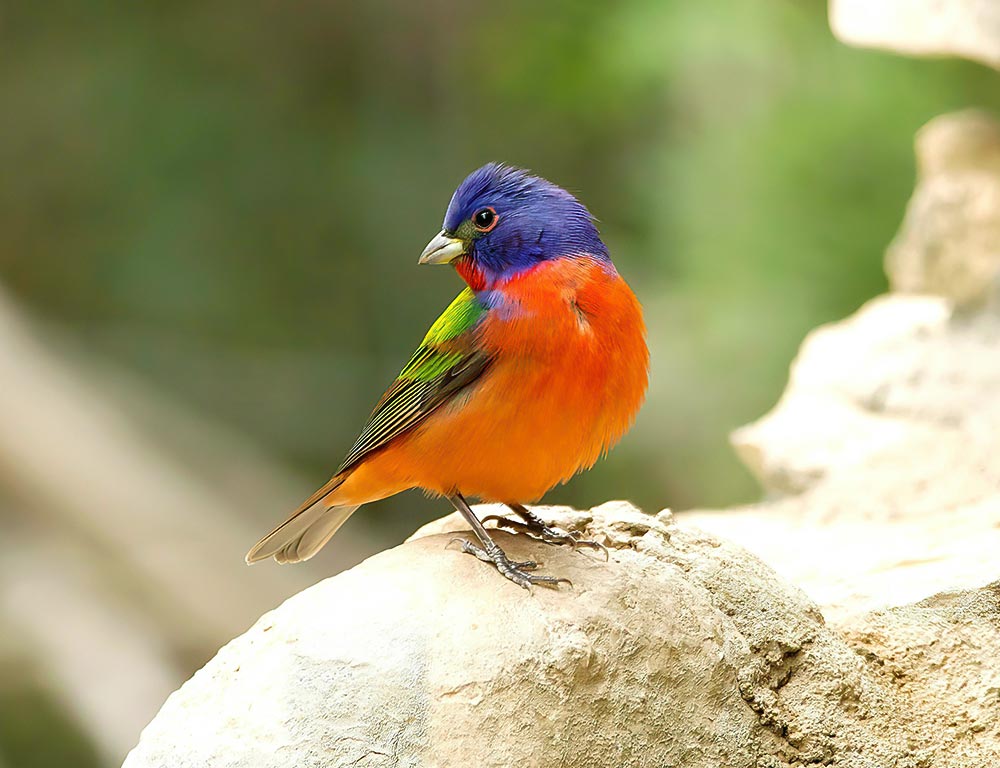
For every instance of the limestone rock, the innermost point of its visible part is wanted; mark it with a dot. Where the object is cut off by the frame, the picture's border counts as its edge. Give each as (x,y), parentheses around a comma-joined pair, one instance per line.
(884,451)
(884,458)
(942,650)
(969,28)
(949,244)
(682,650)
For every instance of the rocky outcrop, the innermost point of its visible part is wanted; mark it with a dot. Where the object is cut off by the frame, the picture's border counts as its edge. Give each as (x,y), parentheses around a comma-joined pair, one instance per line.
(949,244)
(884,456)
(884,451)
(940,659)
(682,650)
(969,28)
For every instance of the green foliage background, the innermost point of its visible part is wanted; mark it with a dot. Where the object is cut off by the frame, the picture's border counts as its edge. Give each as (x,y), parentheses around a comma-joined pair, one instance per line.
(228,198)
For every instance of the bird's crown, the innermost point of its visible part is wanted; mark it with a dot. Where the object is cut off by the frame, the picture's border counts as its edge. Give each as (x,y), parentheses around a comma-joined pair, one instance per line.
(510,220)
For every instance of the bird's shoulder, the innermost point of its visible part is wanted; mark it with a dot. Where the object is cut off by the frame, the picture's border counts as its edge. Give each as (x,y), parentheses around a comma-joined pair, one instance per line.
(446,361)
(448,340)
(462,315)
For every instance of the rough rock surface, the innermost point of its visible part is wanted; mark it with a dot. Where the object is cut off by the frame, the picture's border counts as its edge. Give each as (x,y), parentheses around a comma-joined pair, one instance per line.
(682,650)
(949,244)
(940,656)
(969,28)
(884,451)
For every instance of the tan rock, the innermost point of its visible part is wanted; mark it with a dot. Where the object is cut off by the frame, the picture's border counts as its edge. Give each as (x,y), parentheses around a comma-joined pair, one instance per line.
(969,28)
(942,650)
(949,244)
(846,374)
(884,452)
(682,650)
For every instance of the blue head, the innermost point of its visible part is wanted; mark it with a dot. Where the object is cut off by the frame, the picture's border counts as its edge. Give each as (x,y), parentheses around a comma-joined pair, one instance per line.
(502,221)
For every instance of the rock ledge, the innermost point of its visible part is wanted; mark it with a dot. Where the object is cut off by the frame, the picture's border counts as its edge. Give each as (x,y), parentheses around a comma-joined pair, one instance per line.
(682,650)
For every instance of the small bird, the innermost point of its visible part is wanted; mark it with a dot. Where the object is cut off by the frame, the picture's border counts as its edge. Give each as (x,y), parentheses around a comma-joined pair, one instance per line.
(533,372)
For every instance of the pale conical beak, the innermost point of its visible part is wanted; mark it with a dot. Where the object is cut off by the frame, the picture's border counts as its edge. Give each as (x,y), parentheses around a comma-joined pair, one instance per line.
(442,249)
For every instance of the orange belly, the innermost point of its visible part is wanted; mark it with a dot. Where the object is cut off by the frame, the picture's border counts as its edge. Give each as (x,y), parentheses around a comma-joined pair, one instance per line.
(569,374)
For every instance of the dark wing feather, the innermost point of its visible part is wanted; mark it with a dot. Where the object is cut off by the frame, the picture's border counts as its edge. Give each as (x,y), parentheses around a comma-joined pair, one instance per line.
(448,360)
(410,401)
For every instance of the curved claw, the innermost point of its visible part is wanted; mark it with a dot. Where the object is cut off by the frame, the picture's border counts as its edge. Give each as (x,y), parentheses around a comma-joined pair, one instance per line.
(553,580)
(547,534)
(595,545)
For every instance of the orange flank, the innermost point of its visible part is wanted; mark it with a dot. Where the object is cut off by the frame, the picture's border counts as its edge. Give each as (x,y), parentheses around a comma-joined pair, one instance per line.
(569,373)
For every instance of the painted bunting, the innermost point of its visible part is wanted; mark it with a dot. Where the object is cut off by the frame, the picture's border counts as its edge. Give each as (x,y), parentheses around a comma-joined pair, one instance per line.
(532,373)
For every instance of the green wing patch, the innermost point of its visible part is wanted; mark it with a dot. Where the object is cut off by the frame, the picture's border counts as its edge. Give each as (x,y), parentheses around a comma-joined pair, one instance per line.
(446,361)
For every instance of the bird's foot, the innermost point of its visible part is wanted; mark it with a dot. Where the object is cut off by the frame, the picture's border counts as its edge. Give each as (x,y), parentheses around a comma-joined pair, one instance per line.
(537,528)
(513,570)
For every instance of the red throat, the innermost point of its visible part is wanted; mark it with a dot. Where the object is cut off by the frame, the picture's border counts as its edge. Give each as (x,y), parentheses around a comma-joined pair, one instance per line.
(470,273)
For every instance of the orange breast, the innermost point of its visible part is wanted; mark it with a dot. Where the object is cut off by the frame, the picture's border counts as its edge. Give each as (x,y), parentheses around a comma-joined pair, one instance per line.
(569,375)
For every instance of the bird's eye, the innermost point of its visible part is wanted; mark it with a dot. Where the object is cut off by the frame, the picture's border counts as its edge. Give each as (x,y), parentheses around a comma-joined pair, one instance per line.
(485,219)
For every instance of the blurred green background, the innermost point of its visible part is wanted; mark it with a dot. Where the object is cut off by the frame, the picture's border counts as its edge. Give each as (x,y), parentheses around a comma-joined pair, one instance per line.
(226,200)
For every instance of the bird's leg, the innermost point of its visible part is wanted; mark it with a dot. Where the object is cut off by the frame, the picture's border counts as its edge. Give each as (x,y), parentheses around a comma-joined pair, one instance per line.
(490,552)
(537,528)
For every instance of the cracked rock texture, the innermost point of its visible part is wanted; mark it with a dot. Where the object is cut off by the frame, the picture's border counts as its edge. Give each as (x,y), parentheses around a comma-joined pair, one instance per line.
(969,28)
(940,656)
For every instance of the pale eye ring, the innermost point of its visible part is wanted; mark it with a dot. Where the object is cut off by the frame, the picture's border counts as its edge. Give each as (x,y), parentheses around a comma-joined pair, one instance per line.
(485,219)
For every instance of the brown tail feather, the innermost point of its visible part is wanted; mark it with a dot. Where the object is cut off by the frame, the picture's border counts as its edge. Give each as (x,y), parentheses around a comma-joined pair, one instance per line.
(305,531)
